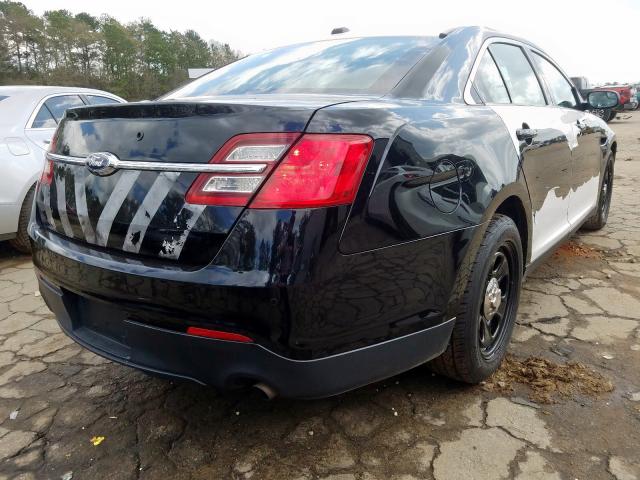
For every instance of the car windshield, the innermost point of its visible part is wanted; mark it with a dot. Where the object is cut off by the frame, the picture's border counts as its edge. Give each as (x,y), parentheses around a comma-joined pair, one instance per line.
(346,66)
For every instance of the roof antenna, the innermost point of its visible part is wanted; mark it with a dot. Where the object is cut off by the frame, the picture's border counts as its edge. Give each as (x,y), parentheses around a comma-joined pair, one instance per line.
(339,30)
(445,33)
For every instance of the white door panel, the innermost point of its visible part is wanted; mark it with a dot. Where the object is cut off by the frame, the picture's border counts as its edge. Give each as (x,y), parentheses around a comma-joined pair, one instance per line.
(40,137)
(19,173)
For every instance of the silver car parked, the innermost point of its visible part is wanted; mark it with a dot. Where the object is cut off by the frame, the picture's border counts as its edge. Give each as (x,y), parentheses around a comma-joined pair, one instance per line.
(29,116)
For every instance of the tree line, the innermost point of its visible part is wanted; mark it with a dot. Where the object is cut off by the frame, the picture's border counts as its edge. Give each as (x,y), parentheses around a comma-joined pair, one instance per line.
(136,60)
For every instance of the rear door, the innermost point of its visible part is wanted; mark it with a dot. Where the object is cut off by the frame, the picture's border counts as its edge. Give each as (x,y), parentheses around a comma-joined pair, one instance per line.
(586,155)
(506,81)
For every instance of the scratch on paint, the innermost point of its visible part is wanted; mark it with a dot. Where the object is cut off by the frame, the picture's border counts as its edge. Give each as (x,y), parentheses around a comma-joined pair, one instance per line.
(169,247)
(185,219)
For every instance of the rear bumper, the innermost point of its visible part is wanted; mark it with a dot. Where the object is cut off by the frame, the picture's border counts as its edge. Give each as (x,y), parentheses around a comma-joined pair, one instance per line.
(226,364)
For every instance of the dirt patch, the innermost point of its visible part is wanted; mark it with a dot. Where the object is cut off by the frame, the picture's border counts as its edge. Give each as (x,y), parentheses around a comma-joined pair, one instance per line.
(547,381)
(573,249)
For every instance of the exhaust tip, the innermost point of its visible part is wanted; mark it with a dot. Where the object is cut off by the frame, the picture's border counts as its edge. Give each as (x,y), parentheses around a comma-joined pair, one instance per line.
(269,392)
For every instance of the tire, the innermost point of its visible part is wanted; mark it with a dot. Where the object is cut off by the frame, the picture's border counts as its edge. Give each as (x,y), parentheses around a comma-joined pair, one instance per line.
(599,218)
(473,354)
(21,240)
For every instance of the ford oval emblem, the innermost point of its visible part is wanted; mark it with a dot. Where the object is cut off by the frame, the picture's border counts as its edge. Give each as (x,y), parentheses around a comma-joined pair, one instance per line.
(102,163)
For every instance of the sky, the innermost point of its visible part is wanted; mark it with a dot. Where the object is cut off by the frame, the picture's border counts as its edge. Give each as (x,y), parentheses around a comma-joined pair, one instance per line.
(590,38)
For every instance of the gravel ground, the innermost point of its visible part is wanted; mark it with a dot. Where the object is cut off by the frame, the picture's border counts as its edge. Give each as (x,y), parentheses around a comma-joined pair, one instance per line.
(66,413)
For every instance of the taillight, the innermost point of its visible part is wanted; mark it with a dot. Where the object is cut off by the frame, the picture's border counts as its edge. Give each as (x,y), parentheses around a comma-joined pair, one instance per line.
(248,158)
(320,170)
(47,171)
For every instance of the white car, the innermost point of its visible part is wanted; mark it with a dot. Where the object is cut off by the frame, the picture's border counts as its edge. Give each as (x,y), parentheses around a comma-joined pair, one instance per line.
(29,116)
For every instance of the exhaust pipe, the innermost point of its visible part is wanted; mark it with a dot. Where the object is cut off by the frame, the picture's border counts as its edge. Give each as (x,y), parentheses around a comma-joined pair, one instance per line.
(269,392)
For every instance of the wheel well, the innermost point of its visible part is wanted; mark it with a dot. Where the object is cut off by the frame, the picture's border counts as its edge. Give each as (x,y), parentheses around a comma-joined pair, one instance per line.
(512,207)
(614,148)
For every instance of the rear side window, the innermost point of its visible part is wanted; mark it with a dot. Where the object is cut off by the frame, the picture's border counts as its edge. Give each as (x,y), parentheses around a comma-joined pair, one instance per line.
(521,81)
(2,97)
(58,105)
(100,100)
(488,82)
(560,88)
(44,119)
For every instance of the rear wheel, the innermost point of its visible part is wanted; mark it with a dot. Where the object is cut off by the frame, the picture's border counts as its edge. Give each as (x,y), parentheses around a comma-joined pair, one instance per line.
(488,309)
(21,240)
(600,217)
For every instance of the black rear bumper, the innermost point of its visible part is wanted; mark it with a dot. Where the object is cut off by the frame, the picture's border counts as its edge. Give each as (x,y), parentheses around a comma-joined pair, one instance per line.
(226,364)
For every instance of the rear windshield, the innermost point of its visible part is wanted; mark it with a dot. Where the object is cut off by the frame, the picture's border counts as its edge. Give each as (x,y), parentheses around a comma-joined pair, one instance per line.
(346,66)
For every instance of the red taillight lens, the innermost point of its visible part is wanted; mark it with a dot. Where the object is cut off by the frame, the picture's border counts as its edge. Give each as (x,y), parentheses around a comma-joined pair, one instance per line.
(236,188)
(47,173)
(320,170)
(218,334)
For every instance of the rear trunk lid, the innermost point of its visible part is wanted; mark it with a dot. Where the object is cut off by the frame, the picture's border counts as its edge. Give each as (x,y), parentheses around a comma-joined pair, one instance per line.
(142,212)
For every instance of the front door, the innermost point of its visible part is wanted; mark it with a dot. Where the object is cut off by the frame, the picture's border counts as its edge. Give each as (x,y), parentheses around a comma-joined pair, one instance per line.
(586,154)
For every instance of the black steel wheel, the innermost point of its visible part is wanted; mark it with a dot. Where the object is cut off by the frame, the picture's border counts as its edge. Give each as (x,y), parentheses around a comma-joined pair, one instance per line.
(488,307)
(497,306)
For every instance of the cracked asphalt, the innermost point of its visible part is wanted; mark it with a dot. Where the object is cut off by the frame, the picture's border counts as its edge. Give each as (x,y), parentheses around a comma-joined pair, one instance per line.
(66,413)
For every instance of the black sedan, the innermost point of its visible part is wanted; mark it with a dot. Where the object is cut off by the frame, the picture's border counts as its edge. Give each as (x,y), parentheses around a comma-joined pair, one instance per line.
(320,216)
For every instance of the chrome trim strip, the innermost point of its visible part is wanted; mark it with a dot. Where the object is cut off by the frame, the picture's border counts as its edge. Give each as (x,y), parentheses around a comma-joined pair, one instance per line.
(169,167)
(64,159)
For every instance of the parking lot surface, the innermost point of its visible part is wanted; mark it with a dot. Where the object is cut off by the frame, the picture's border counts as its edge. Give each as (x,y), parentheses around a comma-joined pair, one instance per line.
(566,405)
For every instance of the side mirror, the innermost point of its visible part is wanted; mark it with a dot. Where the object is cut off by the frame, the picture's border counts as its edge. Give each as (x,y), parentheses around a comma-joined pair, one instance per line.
(603,99)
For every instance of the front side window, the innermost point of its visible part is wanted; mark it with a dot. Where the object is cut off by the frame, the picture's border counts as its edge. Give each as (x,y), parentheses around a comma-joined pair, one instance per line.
(58,105)
(560,88)
(345,66)
(518,75)
(488,82)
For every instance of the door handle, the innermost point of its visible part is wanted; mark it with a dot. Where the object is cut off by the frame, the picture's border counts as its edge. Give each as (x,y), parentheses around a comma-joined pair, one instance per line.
(526,134)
